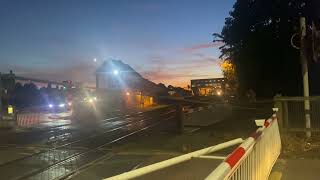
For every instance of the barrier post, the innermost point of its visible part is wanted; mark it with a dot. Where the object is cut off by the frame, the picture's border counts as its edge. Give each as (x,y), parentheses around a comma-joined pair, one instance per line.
(278,104)
(180,118)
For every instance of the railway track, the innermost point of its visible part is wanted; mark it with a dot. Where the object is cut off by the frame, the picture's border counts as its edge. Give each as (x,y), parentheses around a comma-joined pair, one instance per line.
(63,160)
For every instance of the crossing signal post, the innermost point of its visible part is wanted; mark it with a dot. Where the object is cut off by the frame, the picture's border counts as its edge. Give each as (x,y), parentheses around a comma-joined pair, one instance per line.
(305,74)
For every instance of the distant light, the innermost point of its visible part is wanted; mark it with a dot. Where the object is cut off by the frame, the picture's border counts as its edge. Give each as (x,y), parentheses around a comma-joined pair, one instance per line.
(50,105)
(115,72)
(95,60)
(95,98)
(10,109)
(128,94)
(61,105)
(219,93)
(69,103)
(90,100)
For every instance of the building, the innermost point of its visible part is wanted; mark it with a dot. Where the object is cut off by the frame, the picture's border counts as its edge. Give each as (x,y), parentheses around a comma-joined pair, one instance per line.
(116,75)
(208,87)
(117,81)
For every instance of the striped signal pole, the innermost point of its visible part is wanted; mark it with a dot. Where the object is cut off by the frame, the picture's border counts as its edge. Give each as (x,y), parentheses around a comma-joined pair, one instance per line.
(305,75)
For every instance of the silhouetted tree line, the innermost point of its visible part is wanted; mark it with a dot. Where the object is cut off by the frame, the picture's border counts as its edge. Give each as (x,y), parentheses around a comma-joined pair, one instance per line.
(29,95)
(257,40)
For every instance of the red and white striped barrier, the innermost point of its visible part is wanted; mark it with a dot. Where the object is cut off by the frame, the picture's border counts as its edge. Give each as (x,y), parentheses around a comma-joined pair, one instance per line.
(176,160)
(28,119)
(252,160)
(255,157)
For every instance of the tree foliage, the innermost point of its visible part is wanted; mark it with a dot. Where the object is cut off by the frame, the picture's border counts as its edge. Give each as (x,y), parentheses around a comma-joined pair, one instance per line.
(28,95)
(229,74)
(256,40)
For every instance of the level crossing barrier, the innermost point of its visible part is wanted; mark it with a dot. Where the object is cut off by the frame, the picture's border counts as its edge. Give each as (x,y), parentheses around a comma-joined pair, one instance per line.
(255,157)
(176,160)
(28,119)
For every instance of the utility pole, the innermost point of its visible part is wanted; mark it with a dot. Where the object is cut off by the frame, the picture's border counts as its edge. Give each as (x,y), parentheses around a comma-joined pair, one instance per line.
(304,65)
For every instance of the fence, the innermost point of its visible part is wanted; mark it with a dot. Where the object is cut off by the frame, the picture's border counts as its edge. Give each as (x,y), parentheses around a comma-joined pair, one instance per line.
(254,158)
(291,112)
(28,119)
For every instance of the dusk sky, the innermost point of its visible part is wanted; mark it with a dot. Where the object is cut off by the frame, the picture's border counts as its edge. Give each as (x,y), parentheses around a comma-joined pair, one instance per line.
(166,41)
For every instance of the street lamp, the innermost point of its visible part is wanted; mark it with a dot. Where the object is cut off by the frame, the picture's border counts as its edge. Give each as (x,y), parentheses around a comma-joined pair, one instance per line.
(115,72)
(95,60)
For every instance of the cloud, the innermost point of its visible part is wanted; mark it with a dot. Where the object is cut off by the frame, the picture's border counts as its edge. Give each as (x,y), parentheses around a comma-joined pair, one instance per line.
(197,47)
(80,72)
(156,59)
(174,70)
(179,72)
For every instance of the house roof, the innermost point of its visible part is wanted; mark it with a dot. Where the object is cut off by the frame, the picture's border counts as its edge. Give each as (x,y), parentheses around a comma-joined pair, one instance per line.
(111,65)
(142,85)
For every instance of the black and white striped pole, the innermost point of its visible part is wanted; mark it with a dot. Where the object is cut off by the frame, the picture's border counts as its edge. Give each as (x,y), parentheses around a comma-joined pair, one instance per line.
(305,75)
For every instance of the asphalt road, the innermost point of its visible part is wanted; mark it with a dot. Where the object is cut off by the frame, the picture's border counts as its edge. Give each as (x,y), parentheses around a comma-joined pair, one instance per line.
(56,150)
(296,169)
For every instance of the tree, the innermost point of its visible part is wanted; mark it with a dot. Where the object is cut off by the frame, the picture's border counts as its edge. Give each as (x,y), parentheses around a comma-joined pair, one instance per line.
(256,40)
(27,95)
(229,73)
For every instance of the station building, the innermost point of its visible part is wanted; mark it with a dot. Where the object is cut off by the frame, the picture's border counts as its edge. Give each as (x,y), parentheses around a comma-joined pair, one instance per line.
(208,87)
(120,82)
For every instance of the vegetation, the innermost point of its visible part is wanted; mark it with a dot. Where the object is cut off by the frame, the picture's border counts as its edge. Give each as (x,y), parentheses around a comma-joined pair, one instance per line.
(257,41)
(29,95)
(229,74)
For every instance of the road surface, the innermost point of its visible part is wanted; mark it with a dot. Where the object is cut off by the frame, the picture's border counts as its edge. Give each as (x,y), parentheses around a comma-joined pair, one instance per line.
(55,151)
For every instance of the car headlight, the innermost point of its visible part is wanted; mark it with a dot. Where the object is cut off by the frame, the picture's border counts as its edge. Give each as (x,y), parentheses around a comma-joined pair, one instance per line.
(50,105)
